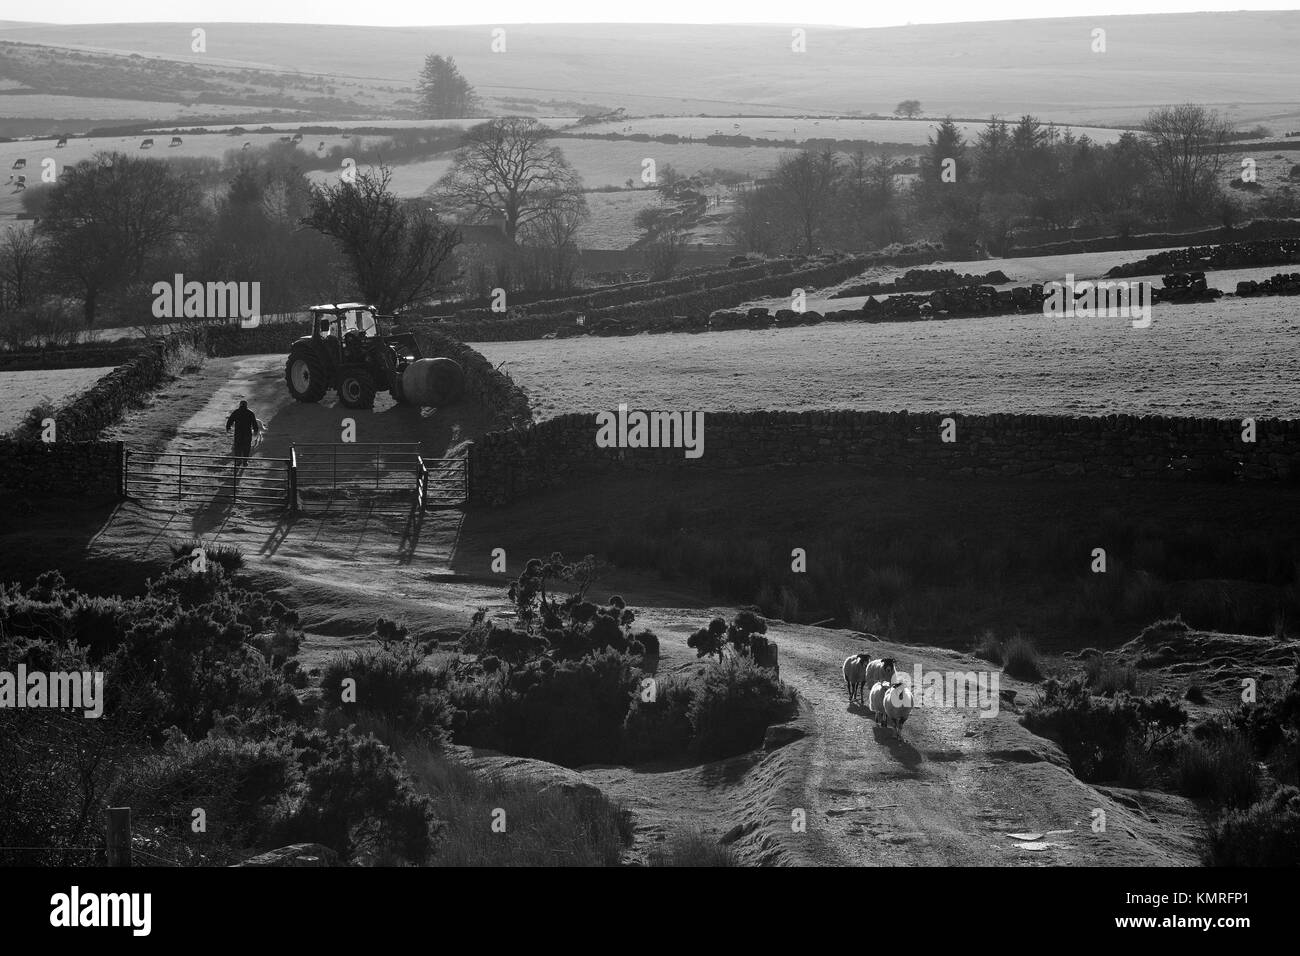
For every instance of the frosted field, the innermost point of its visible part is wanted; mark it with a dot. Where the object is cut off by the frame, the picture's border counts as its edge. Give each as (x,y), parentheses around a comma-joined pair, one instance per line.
(613,219)
(1043,269)
(552,121)
(1229,358)
(912,132)
(21,391)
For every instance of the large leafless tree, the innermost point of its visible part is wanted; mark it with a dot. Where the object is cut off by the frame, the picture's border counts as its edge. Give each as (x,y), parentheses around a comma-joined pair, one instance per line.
(507,168)
(1186,146)
(806,183)
(396,248)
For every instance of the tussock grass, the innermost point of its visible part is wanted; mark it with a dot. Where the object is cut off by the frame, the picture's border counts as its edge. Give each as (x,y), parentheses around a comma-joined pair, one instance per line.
(1020,659)
(1222,769)
(1108,679)
(692,848)
(229,556)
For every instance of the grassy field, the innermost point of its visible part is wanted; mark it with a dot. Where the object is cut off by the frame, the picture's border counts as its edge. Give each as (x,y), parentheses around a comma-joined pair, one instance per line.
(1231,358)
(555,122)
(800,128)
(20,391)
(36,105)
(612,163)
(967,69)
(612,224)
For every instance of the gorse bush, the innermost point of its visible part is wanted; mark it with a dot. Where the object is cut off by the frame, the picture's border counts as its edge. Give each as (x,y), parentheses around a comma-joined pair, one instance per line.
(566,683)
(1266,833)
(193,646)
(732,706)
(1093,731)
(390,682)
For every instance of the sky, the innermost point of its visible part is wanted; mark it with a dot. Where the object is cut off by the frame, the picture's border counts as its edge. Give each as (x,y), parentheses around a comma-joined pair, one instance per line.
(854,13)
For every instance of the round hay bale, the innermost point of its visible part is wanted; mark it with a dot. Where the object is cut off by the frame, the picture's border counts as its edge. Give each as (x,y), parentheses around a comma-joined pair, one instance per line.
(433,382)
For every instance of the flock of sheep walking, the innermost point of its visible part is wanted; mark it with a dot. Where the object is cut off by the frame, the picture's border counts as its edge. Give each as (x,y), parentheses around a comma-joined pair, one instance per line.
(880,687)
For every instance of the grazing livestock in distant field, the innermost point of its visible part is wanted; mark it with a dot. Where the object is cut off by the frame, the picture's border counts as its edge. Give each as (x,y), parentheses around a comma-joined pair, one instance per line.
(146,144)
(19,164)
(61,143)
(176,141)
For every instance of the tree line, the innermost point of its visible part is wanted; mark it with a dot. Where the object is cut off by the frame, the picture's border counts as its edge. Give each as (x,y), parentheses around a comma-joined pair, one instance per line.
(976,194)
(115,224)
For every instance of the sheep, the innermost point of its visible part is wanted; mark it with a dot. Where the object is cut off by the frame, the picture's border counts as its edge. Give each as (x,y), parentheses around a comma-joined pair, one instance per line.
(890,705)
(881,669)
(898,706)
(855,676)
(876,700)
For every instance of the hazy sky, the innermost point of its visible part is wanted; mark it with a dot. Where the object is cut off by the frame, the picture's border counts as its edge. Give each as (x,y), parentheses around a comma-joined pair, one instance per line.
(863,13)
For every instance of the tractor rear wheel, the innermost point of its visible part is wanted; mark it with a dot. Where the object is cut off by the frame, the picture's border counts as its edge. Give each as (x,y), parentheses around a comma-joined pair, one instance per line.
(305,375)
(357,389)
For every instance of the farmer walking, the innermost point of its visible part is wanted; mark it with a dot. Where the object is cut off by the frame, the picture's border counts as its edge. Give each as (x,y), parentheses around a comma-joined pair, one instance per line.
(245,424)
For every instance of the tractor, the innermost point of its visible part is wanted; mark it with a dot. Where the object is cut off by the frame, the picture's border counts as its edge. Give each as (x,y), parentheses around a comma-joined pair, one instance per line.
(345,351)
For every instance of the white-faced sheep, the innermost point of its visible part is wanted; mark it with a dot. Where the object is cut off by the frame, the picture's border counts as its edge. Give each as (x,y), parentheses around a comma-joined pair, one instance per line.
(890,705)
(855,676)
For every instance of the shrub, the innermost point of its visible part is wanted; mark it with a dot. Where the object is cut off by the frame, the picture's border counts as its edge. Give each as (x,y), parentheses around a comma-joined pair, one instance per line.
(1222,769)
(1020,659)
(393,683)
(238,783)
(1094,731)
(647,641)
(1267,833)
(662,727)
(733,705)
(356,798)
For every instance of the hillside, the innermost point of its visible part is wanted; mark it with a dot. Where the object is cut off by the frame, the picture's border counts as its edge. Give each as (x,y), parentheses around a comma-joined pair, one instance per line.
(959,68)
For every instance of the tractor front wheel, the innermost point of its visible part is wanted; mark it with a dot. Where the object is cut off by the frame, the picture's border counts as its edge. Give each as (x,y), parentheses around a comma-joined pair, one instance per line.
(305,375)
(357,390)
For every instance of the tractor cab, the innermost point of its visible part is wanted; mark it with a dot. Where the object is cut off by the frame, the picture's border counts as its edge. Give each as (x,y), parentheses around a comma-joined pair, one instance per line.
(347,351)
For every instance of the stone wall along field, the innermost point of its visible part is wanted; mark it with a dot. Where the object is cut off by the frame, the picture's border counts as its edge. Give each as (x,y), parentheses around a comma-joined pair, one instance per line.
(87,471)
(506,466)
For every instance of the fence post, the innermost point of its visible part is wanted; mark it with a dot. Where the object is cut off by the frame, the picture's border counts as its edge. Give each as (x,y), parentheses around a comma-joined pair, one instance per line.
(117,836)
(180,473)
(293,480)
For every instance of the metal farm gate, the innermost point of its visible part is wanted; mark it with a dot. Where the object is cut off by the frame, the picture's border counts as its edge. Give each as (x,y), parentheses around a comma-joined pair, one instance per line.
(315,477)
(378,474)
(201,480)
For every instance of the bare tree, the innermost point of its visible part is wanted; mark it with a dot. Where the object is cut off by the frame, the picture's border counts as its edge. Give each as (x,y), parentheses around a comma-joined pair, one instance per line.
(109,216)
(1186,146)
(664,254)
(553,237)
(396,248)
(908,108)
(507,168)
(20,266)
(806,183)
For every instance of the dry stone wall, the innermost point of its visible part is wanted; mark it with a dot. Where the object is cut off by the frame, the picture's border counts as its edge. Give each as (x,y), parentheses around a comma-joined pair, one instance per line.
(505,466)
